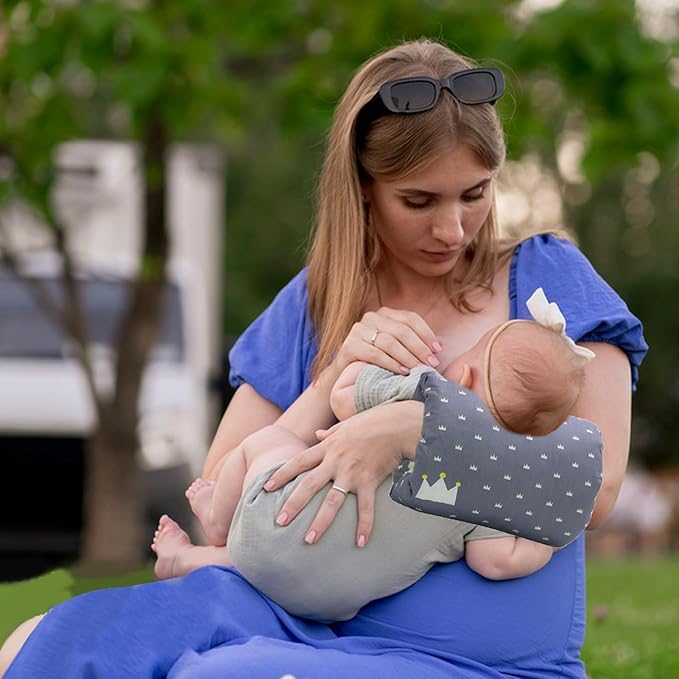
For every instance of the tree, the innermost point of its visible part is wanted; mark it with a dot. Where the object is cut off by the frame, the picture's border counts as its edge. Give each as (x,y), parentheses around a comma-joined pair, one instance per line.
(83,70)
(151,73)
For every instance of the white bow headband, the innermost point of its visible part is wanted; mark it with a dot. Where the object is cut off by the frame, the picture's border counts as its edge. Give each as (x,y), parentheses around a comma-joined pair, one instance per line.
(549,315)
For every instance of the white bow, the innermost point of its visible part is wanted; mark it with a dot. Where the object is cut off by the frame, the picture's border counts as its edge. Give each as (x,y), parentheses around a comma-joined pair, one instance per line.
(549,315)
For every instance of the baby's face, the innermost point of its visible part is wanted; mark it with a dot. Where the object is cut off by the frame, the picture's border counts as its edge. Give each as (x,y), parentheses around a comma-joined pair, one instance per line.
(473,358)
(452,372)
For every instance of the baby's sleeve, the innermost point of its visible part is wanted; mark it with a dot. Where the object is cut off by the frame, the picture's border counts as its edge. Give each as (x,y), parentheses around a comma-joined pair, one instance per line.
(376,385)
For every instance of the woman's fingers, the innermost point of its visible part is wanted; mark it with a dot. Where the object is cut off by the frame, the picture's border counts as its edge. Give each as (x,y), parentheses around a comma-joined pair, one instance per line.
(336,496)
(365,500)
(400,336)
(307,459)
(306,489)
(417,324)
(392,339)
(322,434)
(334,499)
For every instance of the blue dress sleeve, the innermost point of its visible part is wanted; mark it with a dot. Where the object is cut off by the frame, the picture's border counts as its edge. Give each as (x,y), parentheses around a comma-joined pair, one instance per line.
(275,352)
(594,312)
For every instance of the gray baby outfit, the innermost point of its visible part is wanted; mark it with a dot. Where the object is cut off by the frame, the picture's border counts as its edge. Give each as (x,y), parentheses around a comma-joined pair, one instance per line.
(333,579)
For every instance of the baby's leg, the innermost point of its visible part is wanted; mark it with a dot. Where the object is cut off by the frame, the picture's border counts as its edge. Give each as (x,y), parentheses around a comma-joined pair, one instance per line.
(214,502)
(177,556)
(502,558)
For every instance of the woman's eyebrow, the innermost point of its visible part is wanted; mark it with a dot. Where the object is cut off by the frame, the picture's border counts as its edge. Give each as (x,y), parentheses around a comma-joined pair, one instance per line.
(479,185)
(421,192)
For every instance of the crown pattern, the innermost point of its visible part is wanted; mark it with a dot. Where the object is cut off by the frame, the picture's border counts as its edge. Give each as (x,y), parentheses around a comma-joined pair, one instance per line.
(438,491)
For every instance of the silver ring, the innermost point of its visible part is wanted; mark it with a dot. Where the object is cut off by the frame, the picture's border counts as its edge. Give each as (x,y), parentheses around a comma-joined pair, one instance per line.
(374,337)
(341,490)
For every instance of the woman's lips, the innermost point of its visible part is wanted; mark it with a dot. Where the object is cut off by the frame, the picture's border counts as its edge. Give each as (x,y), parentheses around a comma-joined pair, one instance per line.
(445,256)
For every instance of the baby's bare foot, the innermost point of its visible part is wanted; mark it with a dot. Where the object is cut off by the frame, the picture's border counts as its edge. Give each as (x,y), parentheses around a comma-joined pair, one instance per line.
(199,494)
(169,543)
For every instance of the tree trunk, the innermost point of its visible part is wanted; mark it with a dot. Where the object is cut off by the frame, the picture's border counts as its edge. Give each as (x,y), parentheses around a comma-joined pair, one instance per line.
(114,508)
(113,531)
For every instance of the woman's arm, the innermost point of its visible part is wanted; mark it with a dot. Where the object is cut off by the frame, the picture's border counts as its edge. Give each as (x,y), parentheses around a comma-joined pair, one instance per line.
(406,341)
(606,400)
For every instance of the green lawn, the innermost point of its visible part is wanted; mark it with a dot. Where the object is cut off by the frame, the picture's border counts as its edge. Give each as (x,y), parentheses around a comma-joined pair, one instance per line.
(633,613)
(633,619)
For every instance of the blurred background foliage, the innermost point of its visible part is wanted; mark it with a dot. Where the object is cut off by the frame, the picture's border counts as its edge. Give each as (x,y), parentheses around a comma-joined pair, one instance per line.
(592,121)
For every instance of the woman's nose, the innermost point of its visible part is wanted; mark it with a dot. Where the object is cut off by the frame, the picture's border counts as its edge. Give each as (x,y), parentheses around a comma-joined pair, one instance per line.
(448,226)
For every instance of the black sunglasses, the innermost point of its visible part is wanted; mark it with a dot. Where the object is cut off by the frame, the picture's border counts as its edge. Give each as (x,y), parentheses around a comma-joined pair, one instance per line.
(420,93)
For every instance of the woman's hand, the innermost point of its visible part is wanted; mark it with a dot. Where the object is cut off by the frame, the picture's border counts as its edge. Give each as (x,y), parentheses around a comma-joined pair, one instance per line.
(356,455)
(392,339)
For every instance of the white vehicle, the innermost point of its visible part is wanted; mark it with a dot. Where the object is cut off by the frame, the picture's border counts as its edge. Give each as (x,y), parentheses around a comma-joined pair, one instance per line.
(46,411)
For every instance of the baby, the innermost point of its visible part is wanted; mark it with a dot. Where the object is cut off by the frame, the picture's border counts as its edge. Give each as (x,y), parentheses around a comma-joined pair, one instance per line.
(528,374)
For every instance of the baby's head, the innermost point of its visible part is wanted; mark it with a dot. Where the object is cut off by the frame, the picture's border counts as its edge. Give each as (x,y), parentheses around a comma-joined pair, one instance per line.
(529,376)
(532,377)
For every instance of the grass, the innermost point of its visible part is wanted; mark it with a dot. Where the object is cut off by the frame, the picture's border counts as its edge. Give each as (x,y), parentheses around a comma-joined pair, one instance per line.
(633,619)
(22,600)
(632,625)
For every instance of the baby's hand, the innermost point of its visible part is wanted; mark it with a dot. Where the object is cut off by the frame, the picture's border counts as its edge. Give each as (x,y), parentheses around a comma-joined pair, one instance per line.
(342,392)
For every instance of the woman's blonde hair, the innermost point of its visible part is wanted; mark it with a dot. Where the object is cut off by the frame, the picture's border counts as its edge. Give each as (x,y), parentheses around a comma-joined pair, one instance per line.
(345,250)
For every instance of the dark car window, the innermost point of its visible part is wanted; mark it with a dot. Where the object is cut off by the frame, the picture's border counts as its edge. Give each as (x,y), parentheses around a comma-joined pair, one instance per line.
(27,332)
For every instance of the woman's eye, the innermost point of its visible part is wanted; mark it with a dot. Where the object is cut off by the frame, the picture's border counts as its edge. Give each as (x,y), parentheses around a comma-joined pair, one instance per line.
(416,204)
(475,195)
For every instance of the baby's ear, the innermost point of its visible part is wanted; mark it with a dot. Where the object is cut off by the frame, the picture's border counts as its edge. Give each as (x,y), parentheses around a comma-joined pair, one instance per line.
(466,379)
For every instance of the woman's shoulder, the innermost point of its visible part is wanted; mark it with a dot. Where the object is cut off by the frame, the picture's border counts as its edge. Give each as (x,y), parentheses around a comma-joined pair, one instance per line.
(553,261)
(294,291)
(275,351)
(594,311)
(549,249)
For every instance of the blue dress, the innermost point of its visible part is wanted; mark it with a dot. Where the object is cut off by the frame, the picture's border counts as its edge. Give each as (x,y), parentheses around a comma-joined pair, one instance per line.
(211,624)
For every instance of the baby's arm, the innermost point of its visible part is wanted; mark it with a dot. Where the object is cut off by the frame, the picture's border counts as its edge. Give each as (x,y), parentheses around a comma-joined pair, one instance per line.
(342,393)
(508,557)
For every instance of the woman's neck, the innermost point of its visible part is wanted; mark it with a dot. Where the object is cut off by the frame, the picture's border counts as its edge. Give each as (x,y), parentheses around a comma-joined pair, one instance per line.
(399,287)
(417,297)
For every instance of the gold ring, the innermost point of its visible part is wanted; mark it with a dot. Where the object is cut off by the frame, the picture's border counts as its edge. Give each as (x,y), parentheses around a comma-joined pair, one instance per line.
(341,490)
(374,337)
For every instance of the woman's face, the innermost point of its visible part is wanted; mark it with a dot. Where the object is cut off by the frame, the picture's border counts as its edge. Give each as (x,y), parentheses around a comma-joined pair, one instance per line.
(427,219)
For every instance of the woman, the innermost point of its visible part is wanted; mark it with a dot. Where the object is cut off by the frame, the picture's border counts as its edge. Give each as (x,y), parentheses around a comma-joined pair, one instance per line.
(405,267)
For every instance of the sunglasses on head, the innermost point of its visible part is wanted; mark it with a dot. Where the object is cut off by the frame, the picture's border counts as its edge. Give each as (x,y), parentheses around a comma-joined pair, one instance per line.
(420,93)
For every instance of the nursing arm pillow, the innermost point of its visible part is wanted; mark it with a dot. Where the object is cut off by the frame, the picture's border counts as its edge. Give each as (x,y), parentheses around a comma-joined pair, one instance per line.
(470,468)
